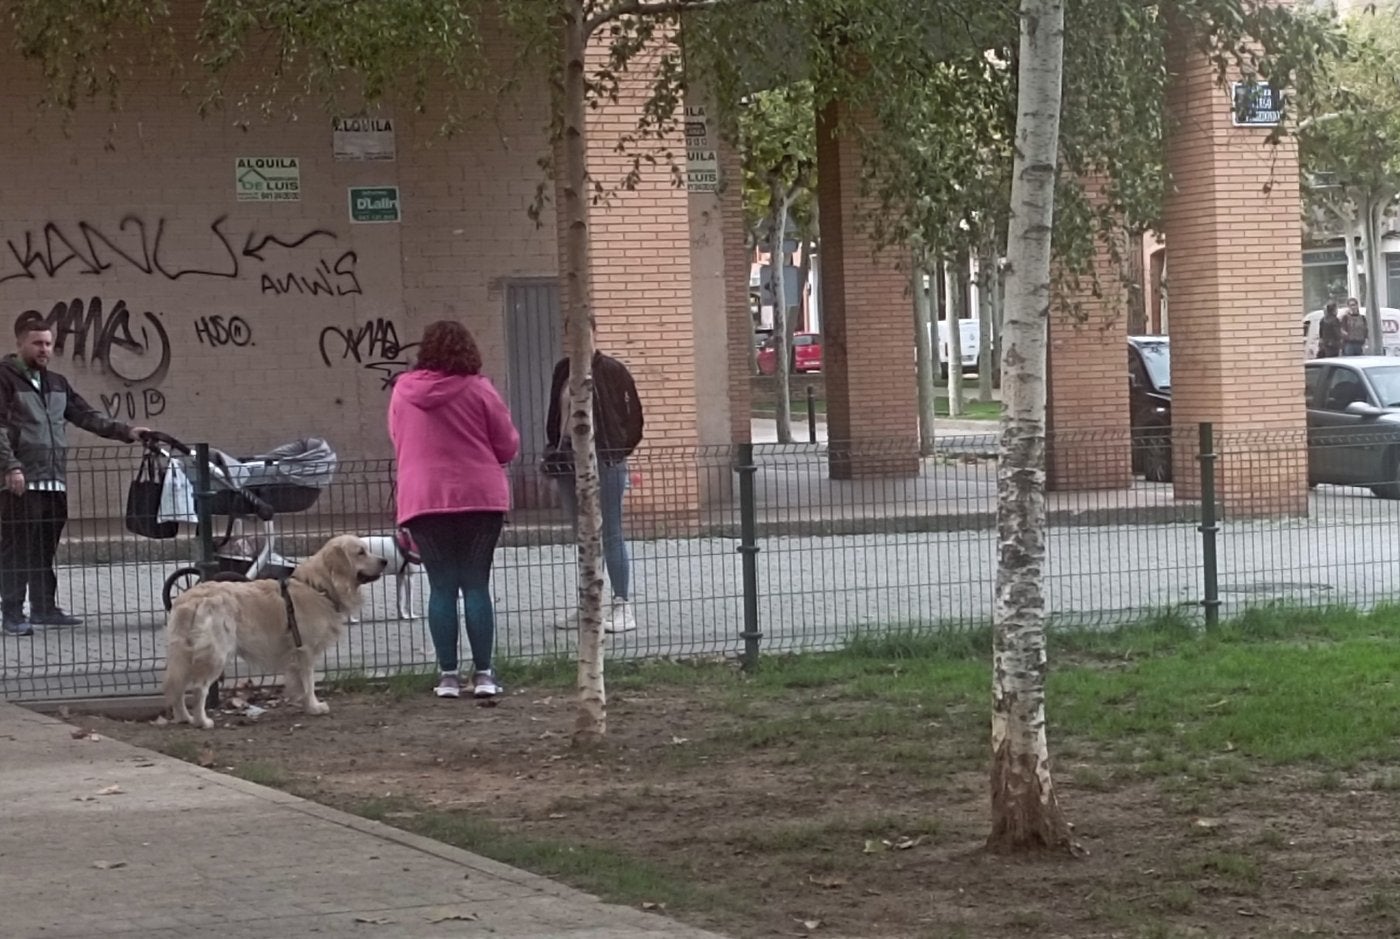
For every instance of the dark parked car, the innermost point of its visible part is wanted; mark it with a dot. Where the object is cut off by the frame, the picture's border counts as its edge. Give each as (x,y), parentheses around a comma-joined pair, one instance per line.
(1354,422)
(1353,417)
(1150,403)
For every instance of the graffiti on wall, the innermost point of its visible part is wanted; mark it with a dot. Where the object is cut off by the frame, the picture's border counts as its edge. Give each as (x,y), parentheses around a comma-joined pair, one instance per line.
(217,331)
(137,245)
(375,346)
(132,347)
(134,406)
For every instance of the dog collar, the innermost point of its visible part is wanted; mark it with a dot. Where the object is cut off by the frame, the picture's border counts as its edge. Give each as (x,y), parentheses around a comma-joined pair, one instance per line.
(321,590)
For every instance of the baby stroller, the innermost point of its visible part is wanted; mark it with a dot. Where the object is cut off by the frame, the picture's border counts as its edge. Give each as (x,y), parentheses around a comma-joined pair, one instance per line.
(285,480)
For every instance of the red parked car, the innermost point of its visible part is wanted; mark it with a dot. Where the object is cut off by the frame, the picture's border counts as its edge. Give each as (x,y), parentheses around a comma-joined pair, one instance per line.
(806,354)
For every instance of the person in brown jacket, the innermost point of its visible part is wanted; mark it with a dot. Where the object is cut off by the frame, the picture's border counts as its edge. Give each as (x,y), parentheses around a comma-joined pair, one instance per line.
(617,429)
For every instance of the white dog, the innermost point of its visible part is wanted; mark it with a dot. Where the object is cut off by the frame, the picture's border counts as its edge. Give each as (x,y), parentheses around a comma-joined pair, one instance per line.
(277,627)
(404,564)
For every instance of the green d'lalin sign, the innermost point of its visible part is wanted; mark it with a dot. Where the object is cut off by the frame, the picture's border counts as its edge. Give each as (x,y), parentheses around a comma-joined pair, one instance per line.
(374,203)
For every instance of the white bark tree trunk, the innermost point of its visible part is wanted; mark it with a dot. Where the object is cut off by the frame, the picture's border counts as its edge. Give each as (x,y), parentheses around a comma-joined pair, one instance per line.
(1353,269)
(986,286)
(925,355)
(591,722)
(998,319)
(777,272)
(1025,812)
(1375,270)
(956,281)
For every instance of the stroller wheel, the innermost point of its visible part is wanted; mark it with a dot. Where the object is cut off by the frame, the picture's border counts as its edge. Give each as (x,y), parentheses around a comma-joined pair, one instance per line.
(177,583)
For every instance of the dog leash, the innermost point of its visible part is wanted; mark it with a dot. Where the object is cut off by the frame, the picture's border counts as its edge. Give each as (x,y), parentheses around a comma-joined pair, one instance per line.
(291,610)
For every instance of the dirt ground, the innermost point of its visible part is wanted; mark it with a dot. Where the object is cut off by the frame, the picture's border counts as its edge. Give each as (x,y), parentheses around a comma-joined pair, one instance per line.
(750,825)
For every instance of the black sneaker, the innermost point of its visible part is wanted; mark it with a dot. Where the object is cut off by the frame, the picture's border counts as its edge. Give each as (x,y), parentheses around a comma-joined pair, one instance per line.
(54,617)
(16,627)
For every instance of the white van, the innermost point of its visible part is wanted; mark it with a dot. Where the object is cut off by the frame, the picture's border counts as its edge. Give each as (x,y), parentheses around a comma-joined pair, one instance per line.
(969,335)
(1390,330)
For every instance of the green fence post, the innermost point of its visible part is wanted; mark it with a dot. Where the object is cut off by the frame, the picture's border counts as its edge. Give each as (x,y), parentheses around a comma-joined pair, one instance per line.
(748,549)
(1209,527)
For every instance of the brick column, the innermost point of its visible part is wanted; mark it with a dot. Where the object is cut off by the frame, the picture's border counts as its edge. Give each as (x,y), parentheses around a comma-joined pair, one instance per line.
(868,325)
(643,296)
(1235,269)
(1088,387)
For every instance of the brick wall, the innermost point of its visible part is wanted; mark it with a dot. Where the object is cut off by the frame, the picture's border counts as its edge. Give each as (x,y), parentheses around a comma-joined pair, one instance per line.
(642,289)
(305,313)
(868,325)
(1234,282)
(1088,387)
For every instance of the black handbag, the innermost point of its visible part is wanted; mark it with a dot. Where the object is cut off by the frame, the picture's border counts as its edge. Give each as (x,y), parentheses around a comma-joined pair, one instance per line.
(143,503)
(557,461)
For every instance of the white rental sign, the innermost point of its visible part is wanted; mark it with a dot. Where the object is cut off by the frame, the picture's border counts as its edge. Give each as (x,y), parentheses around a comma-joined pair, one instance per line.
(701,161)
(363,138)
(267,179)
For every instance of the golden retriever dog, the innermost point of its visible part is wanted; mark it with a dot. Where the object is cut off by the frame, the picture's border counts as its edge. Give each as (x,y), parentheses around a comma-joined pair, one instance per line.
(213,620)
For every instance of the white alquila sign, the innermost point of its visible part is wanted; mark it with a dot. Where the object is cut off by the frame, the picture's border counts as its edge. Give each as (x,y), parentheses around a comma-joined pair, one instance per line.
(701,161)
(363,138)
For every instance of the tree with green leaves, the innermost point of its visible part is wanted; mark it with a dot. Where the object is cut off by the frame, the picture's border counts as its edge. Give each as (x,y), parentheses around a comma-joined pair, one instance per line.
(778,137)
(1350,121)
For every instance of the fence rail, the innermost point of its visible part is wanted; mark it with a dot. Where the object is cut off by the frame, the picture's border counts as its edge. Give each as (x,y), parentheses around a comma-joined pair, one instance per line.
(737,550)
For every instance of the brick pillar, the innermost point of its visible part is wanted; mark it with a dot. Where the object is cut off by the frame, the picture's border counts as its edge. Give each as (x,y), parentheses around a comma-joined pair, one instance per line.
(1235,270)
(868,325)
(643,297)
(1088,387)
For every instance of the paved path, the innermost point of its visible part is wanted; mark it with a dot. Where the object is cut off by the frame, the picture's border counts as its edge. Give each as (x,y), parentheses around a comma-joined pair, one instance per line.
(182,851)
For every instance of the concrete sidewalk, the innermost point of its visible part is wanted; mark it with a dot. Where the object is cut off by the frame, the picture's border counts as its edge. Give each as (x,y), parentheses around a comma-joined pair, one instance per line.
(102,839)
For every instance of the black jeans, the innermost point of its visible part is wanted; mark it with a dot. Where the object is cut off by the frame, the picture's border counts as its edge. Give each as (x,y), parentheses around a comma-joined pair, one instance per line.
(30,527)
(457,550)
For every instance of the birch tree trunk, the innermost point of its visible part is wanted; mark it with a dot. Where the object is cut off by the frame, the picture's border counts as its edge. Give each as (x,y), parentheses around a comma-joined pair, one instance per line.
(777,273)
(956,281)
(1353,272)
(986,286)
(998,321)
(591,722)
(1375,270)
(925,355)
(1025,813)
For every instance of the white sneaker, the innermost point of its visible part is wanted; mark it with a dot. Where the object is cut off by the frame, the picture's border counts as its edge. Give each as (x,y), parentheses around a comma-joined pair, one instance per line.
(448,686)
(620,618)
(485,685)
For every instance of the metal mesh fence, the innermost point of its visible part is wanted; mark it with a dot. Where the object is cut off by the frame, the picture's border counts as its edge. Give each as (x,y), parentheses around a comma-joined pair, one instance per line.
(832,557)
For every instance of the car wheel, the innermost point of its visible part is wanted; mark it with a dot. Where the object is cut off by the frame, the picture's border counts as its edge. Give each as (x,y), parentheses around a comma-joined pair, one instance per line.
(1154,447)
(1390,490)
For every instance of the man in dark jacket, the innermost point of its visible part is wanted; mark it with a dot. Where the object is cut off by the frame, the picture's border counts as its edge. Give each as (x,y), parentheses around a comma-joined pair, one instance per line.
(1329,333)
(36,404)
(617,429)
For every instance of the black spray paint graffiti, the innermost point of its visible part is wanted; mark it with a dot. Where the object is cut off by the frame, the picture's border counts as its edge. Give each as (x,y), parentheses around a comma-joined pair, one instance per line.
(216,332)
(87,249)
(338,280)
(131,406)
(375,345)
(133,348)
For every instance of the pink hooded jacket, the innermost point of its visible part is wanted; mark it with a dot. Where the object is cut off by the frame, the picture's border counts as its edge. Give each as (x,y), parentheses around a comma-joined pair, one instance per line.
(451,435)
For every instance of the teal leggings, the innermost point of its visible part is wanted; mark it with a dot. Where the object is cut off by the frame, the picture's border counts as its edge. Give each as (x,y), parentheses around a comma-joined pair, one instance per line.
(457,550)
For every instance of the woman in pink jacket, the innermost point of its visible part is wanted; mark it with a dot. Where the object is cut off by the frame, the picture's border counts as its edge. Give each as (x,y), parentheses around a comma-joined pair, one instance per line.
(452,434)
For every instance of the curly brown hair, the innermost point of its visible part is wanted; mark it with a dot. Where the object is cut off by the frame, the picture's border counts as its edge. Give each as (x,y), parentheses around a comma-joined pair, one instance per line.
(448,347)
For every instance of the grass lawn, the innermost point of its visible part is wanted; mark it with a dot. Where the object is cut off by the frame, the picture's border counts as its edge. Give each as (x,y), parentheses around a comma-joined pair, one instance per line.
(1240,784)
